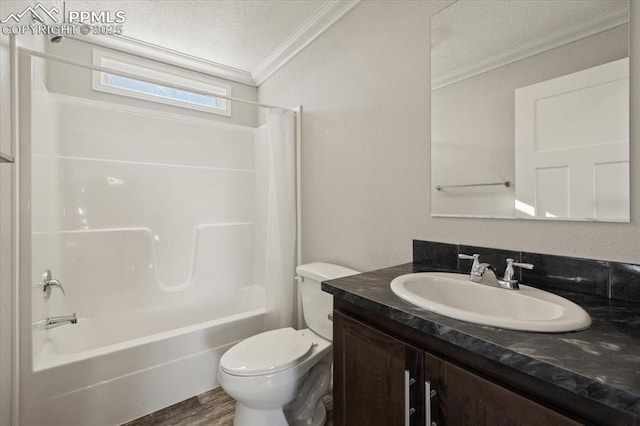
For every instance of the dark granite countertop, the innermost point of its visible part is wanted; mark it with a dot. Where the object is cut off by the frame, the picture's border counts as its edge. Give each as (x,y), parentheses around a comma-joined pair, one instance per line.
(601,363)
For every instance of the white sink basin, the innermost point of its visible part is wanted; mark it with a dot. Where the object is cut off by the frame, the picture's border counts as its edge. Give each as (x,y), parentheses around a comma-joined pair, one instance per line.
(527,309)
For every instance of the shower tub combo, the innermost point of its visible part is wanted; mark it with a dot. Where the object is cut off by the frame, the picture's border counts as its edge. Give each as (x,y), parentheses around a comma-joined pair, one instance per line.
(150,222)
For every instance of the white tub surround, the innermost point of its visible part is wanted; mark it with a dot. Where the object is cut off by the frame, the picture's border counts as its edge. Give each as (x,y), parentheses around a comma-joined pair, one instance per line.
(155,225)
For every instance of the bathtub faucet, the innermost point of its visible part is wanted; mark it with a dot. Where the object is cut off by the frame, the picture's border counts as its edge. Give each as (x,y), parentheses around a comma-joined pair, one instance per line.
(47,284)
(47,323)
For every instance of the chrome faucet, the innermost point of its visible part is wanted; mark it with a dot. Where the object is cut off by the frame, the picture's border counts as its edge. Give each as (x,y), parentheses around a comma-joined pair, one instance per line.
(484,273)
(47,284)
(47,323)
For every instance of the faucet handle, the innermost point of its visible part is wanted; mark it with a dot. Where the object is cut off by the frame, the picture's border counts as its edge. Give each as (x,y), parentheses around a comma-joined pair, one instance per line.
(468,256)
(509,272)
(523,265)
(48,283)
(475,258)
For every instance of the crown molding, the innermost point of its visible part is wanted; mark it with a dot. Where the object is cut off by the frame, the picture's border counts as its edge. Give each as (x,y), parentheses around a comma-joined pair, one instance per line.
(168,56)
(548,42)
(330,13)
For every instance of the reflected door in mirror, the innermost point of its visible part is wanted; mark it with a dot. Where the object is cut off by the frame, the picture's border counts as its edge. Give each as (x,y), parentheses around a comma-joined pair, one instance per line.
(572,145)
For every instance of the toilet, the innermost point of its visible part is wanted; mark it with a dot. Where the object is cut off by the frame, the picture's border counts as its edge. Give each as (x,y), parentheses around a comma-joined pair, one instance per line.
(279,377)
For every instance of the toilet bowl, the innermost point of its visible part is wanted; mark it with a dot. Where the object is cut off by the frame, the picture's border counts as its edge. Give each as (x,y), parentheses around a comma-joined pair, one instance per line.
(279,377)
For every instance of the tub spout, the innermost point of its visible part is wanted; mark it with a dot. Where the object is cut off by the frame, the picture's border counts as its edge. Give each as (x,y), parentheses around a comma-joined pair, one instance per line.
(47,323)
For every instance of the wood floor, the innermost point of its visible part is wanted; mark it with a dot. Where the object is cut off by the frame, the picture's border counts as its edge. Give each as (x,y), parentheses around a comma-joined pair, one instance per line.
(213,408)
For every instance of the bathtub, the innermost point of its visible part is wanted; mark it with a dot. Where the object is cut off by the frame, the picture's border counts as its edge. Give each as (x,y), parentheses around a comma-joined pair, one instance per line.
(106,371)
(138,346)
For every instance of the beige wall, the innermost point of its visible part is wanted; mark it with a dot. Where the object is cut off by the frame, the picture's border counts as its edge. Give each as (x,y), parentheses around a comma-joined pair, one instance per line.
(366,146)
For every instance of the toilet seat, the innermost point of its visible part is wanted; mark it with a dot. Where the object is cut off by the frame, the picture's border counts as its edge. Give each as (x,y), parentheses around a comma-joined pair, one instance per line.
(266,353)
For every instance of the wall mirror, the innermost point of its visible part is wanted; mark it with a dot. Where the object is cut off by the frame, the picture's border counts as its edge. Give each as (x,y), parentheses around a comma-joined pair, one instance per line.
(530,110)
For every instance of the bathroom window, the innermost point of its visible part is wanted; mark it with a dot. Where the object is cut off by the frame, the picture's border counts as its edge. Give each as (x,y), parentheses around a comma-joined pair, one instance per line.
(141,89)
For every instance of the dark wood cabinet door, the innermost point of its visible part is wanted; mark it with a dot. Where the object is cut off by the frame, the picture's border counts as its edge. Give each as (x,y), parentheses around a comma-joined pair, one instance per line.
(463,398)
(369,376)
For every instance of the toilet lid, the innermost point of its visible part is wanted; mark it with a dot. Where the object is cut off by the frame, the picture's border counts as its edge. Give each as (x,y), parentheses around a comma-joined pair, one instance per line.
(266,353)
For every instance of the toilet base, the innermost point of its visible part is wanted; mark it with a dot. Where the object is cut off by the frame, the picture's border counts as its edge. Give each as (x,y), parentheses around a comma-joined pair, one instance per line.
(319,417)
(307,409)
(245,416)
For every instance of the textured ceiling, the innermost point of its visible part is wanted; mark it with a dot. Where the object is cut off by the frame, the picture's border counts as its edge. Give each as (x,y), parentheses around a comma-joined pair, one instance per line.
(239,34)
(470,31)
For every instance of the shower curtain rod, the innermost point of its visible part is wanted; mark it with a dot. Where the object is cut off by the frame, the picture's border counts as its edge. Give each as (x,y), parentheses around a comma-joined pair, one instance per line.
(137,77)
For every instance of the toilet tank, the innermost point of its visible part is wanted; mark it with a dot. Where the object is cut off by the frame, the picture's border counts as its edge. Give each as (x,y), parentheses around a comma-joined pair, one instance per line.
(316,304)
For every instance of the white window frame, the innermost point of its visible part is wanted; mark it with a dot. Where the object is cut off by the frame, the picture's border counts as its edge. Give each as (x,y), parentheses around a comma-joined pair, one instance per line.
(156,72)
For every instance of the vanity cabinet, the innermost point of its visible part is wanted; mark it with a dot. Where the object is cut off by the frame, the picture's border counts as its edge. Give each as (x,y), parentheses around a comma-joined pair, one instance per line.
(383,380)
(464,398)
(376,376)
